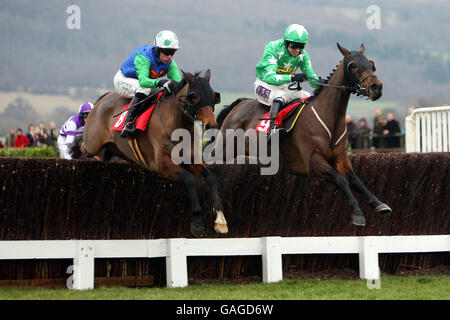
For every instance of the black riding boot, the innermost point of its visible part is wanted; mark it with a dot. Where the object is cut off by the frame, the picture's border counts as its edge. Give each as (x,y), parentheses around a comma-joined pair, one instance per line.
(277,104)
(133,111)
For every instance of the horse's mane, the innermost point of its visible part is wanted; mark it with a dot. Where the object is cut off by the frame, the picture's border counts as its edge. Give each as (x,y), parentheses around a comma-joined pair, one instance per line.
(319,90)
(182,83)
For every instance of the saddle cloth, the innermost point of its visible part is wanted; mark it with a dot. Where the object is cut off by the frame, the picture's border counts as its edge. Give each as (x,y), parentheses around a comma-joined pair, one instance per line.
(143,118)
(286,118)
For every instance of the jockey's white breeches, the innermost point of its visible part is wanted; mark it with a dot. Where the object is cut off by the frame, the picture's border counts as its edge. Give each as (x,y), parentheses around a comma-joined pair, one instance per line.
(266,93)
(128,87)
(63,147)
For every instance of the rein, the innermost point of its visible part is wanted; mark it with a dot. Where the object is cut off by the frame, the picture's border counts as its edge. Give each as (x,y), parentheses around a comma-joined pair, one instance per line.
(179,108)
(357,88)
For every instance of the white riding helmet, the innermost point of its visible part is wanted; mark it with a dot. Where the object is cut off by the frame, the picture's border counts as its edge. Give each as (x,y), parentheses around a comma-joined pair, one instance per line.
(166,39)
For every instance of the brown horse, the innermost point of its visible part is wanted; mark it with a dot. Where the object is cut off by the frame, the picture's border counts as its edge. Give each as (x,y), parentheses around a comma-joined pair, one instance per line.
(317,145)
(193,99)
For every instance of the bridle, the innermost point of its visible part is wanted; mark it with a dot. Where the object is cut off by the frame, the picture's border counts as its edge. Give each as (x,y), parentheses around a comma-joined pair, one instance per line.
(356,85)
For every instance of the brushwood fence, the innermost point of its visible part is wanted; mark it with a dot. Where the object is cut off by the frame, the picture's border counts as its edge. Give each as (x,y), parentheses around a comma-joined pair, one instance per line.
(59,200)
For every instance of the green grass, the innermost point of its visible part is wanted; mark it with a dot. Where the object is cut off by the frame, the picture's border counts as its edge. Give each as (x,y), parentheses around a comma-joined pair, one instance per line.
(392,288)
(33,152)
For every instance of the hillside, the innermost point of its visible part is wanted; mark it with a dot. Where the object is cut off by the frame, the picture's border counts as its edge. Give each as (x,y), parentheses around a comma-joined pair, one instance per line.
(41,55)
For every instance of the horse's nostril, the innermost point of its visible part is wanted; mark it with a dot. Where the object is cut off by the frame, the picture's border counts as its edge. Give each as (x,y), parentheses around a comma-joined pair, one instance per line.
(375,87)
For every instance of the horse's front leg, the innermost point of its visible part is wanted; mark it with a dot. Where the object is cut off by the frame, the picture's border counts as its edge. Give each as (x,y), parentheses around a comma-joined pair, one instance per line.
(344,167)
(220,224)
(172,171)
(321,168)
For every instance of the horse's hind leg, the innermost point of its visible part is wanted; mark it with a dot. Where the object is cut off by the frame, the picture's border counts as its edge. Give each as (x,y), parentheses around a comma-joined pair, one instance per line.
(373,201)
(174,172)
(320,167)
(344,165)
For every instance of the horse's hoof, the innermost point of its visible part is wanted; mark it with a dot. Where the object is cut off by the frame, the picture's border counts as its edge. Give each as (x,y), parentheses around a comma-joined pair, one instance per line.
(197,227)
(220,225)
(221,228)
(358,220)
(197,230)
(383,209)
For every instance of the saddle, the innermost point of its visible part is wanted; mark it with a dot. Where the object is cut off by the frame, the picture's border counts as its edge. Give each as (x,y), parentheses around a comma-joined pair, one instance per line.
(144,114)
(286,118)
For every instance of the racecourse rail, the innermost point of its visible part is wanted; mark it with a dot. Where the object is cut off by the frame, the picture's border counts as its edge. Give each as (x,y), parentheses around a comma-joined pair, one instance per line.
(428,130)
(176,251)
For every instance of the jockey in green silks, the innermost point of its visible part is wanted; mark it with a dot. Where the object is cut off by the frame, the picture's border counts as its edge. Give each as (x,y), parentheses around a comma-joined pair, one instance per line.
(276,70)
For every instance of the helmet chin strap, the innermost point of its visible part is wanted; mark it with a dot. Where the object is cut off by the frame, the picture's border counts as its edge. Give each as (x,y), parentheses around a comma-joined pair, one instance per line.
(158,52)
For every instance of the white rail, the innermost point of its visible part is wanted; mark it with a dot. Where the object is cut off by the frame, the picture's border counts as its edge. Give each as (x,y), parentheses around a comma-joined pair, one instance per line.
(176,251)
(428,130)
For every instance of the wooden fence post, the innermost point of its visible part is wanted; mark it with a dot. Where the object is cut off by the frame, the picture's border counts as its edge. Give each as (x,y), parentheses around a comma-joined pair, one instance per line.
(176,264)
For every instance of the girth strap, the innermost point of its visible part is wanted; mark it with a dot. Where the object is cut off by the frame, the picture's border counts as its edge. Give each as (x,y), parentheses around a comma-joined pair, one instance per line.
(137,151)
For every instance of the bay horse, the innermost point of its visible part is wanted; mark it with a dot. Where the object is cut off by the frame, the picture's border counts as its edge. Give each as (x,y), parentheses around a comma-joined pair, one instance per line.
(317,144)
(192,99)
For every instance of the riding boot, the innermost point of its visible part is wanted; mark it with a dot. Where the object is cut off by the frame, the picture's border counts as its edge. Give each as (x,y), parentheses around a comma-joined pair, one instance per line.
(133,111)
(277,104)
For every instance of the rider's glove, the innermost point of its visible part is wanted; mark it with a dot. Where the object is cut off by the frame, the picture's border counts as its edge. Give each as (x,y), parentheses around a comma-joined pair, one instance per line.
(299,77)
(167,84)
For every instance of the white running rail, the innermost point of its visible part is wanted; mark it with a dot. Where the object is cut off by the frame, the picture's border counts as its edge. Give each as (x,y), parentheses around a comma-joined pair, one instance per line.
(428,130)
(176,251)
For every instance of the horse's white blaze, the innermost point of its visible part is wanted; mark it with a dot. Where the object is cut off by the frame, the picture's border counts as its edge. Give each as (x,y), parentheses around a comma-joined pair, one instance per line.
(220,223)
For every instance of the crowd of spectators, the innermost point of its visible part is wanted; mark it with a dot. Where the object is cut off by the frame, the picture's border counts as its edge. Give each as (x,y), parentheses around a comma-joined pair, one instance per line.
(36,136)
(385,132)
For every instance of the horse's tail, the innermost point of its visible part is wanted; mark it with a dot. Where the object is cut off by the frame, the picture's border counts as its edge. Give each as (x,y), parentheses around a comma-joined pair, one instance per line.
(226,110)
(75,148)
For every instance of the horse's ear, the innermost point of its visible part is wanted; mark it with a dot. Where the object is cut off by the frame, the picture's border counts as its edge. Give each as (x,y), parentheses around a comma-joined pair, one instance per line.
(208,75)
(344,51)
(361,49)
(189,77)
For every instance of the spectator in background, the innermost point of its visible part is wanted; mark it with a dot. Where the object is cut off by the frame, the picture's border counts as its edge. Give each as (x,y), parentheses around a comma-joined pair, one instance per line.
(410,111)
(378,124)
(363,132)
(30,135)
(391,128)
(53,135)
(43,140)
(42,128)
(351,131)
(378,141)
(1,145)
(9,141)
(37,137)
(21,140)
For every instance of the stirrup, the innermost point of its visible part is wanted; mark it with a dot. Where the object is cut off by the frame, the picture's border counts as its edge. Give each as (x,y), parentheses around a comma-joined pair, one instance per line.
(128,130)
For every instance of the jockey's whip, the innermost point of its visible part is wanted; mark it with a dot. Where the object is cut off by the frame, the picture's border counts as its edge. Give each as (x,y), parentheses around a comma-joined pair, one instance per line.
(143,100)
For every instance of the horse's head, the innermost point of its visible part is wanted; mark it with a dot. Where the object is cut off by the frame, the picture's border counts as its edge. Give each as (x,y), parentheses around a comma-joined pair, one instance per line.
(201,99)
(359,72)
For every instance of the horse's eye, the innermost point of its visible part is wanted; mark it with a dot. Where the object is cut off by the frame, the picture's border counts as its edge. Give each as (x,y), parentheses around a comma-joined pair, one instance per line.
(352,66)
(194,97)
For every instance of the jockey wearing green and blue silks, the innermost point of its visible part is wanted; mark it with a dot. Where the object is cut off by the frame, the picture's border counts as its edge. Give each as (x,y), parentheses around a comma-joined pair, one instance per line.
(140,74)
(277,67)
